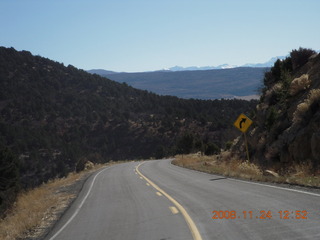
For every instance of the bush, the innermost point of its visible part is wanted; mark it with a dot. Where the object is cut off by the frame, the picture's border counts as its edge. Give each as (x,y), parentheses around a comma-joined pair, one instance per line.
(9,176)
(273,75)
(302,108)
(211,149)
(229,145)
(299,84)
(80,166)
(300,57)
(272,117)
(185,144)
(280,72)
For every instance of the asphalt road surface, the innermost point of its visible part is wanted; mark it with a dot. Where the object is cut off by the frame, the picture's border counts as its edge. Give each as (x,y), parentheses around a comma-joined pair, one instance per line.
(155,200)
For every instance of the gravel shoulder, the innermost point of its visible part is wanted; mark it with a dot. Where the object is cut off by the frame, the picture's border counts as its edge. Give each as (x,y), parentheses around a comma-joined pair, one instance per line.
(67,194)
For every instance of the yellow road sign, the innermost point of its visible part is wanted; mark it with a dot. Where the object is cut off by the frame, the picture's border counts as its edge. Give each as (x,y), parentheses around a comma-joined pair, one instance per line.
(243,123)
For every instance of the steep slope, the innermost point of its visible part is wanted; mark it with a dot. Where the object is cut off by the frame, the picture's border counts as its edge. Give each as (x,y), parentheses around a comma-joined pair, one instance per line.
(287,123)
(54,118)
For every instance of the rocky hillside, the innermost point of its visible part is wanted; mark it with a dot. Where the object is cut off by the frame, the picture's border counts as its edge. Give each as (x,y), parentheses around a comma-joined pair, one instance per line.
(286,129)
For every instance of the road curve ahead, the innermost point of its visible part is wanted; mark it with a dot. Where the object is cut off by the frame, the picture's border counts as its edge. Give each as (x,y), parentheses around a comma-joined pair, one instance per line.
(160,201)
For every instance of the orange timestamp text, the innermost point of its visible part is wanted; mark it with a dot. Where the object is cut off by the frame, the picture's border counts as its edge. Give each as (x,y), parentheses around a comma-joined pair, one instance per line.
(262,214)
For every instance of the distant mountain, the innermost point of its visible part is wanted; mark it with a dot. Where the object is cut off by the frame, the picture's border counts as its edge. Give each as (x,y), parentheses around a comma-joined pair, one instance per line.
(101,72)
(206,84)
(270,63)
(197,68)
(226,66)
(194,68)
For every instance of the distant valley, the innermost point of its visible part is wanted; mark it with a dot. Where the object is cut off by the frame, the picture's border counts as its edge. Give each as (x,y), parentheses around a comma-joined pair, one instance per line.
(206,82)
(240,82)
(55,118)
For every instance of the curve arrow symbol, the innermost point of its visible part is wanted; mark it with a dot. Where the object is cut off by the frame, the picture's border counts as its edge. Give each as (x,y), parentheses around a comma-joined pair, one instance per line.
(243,120)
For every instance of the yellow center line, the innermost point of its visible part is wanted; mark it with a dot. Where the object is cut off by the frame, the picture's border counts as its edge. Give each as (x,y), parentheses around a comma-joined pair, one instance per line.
(174,210)
(148,184)
(159,194)
(192,226)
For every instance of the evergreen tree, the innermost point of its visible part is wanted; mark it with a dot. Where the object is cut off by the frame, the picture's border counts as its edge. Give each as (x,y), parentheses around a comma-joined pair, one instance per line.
(9,178)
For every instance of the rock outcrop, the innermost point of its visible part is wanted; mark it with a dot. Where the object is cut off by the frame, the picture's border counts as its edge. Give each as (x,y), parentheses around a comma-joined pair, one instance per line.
(286,128)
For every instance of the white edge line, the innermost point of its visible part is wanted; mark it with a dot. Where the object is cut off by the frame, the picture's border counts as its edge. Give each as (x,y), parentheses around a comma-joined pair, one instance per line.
(79,207)
(282,188)
(255,183)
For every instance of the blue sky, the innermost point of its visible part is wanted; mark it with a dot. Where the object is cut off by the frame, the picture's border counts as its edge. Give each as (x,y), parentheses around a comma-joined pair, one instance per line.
(146,35)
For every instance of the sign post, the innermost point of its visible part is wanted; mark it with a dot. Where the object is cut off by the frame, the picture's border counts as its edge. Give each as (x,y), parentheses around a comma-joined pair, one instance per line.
(243,123)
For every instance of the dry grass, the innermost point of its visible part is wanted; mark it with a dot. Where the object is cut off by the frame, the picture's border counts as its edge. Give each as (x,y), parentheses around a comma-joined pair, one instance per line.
(302,108)
(299,84)
(223,164)
(37,208)
(272,91)
(228,165)
(301,174)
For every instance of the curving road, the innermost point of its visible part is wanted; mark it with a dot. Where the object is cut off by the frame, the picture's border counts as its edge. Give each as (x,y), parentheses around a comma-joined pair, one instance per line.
(160,201)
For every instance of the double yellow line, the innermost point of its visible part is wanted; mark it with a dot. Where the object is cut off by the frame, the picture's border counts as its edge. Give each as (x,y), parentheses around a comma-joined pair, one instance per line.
(192,226)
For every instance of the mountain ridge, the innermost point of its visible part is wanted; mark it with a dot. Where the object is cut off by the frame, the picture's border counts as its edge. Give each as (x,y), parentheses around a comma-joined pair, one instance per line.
(204,84)
(54,118)
(177,68)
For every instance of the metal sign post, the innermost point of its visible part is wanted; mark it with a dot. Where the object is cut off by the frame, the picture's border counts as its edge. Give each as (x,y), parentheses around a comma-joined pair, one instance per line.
(243,123)
(247,149)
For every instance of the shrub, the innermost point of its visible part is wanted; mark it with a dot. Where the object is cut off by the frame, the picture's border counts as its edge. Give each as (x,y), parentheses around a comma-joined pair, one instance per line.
(303,107)
(287,64)
(88,165)
(9,179)
(80,166)
(286,80)
(185,144)
(272,117)
(211,149)
(314,95)
(280,71)
(229,145)
(299,84)
(300,57)
(277,69)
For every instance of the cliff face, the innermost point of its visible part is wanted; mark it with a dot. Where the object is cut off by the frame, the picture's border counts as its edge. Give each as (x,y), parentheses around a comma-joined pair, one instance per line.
(286,128)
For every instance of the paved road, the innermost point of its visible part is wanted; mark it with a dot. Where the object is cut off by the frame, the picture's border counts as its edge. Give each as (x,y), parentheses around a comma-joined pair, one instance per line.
(156,200)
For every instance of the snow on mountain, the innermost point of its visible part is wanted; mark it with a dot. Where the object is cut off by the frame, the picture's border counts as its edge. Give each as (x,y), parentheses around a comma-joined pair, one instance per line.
(269,63)
(192,68)
(226,66)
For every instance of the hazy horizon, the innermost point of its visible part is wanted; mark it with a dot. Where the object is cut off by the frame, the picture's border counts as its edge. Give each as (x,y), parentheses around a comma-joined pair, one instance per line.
(140,35)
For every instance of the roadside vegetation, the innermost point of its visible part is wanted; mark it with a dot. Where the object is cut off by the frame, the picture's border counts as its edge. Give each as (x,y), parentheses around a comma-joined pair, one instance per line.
(52,117)
(284,138)
(286,131)
(36,210)
(230,165)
